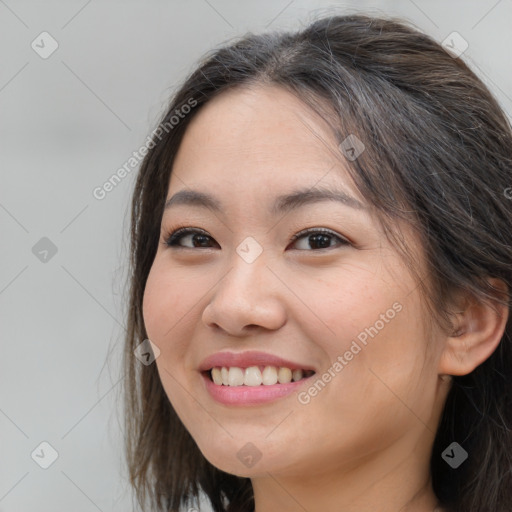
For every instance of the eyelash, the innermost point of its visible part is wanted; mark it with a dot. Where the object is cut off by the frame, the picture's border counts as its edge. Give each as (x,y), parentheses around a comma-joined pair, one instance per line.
(175,236)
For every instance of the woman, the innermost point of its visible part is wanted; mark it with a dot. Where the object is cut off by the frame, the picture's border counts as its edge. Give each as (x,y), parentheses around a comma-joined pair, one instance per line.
(322,260)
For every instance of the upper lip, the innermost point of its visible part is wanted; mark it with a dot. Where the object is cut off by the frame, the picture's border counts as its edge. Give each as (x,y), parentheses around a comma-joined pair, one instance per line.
(250,358)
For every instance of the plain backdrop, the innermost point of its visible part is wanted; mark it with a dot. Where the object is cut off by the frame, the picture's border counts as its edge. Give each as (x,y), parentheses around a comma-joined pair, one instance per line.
(67,123)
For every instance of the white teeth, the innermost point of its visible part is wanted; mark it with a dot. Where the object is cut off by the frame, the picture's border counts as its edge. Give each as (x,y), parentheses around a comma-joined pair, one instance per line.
(284,375)
(252,376)
(256,376)
(269,375)
(235,376)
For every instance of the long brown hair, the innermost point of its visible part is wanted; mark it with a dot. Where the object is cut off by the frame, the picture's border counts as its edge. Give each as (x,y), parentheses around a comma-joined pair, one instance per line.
(438,155)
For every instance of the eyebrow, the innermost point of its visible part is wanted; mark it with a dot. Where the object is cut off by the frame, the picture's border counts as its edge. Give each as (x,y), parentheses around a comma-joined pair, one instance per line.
(283,203)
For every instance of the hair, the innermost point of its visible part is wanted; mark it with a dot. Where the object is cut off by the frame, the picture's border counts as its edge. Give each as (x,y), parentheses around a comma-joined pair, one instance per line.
(438,155)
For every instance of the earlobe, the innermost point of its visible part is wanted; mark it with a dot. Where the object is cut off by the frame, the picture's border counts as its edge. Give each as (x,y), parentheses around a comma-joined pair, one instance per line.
(478,330)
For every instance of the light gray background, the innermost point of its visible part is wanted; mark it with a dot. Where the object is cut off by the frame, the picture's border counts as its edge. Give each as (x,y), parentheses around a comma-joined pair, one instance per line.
(67,123)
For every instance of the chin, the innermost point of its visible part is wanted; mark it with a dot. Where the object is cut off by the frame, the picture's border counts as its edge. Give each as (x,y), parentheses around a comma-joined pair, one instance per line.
(245,459)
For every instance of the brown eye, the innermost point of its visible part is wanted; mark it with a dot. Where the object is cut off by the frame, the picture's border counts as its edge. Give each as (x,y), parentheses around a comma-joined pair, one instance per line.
(198,236)
(319,238)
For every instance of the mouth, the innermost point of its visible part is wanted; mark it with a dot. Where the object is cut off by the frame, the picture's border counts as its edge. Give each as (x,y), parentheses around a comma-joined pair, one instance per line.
(250,378)
(255,376)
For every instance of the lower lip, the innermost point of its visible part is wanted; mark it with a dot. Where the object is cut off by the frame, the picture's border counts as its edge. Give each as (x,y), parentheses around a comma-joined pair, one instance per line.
(250,395)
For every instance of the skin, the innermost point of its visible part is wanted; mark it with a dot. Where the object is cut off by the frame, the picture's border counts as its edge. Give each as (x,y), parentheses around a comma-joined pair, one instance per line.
(363,443)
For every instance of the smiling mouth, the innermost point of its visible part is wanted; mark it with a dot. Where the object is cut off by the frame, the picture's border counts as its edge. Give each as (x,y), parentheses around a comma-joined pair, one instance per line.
(254,376)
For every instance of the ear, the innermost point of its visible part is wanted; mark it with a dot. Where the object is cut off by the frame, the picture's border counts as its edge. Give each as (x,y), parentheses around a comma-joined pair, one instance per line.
(478,330)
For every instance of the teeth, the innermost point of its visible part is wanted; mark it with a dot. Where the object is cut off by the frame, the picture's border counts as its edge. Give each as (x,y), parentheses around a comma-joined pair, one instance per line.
(284,375)
(269,375)
(252,376)
(235,376)
(256,376)
(296,375)
(216,376)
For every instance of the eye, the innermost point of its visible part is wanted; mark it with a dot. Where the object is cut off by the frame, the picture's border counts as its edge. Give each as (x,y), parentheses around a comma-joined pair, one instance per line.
(317,238)
(196,236)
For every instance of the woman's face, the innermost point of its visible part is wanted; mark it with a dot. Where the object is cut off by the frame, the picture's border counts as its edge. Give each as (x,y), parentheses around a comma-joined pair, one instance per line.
(339,303)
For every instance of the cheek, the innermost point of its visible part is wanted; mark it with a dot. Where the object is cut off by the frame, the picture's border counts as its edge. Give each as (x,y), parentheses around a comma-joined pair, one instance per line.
(162,306)
(343,304)
(374,323)
(171,304)
(370,303)
(153,305)
(386,373)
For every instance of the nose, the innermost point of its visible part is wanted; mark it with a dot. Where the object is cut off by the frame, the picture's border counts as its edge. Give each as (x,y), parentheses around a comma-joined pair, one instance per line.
(247,297)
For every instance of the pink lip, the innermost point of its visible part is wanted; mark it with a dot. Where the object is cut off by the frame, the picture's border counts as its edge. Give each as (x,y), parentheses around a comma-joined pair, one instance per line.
(250,395)
(249,358)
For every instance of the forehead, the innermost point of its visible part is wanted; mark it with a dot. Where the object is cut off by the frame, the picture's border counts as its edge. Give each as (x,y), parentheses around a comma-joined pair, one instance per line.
(261,134)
